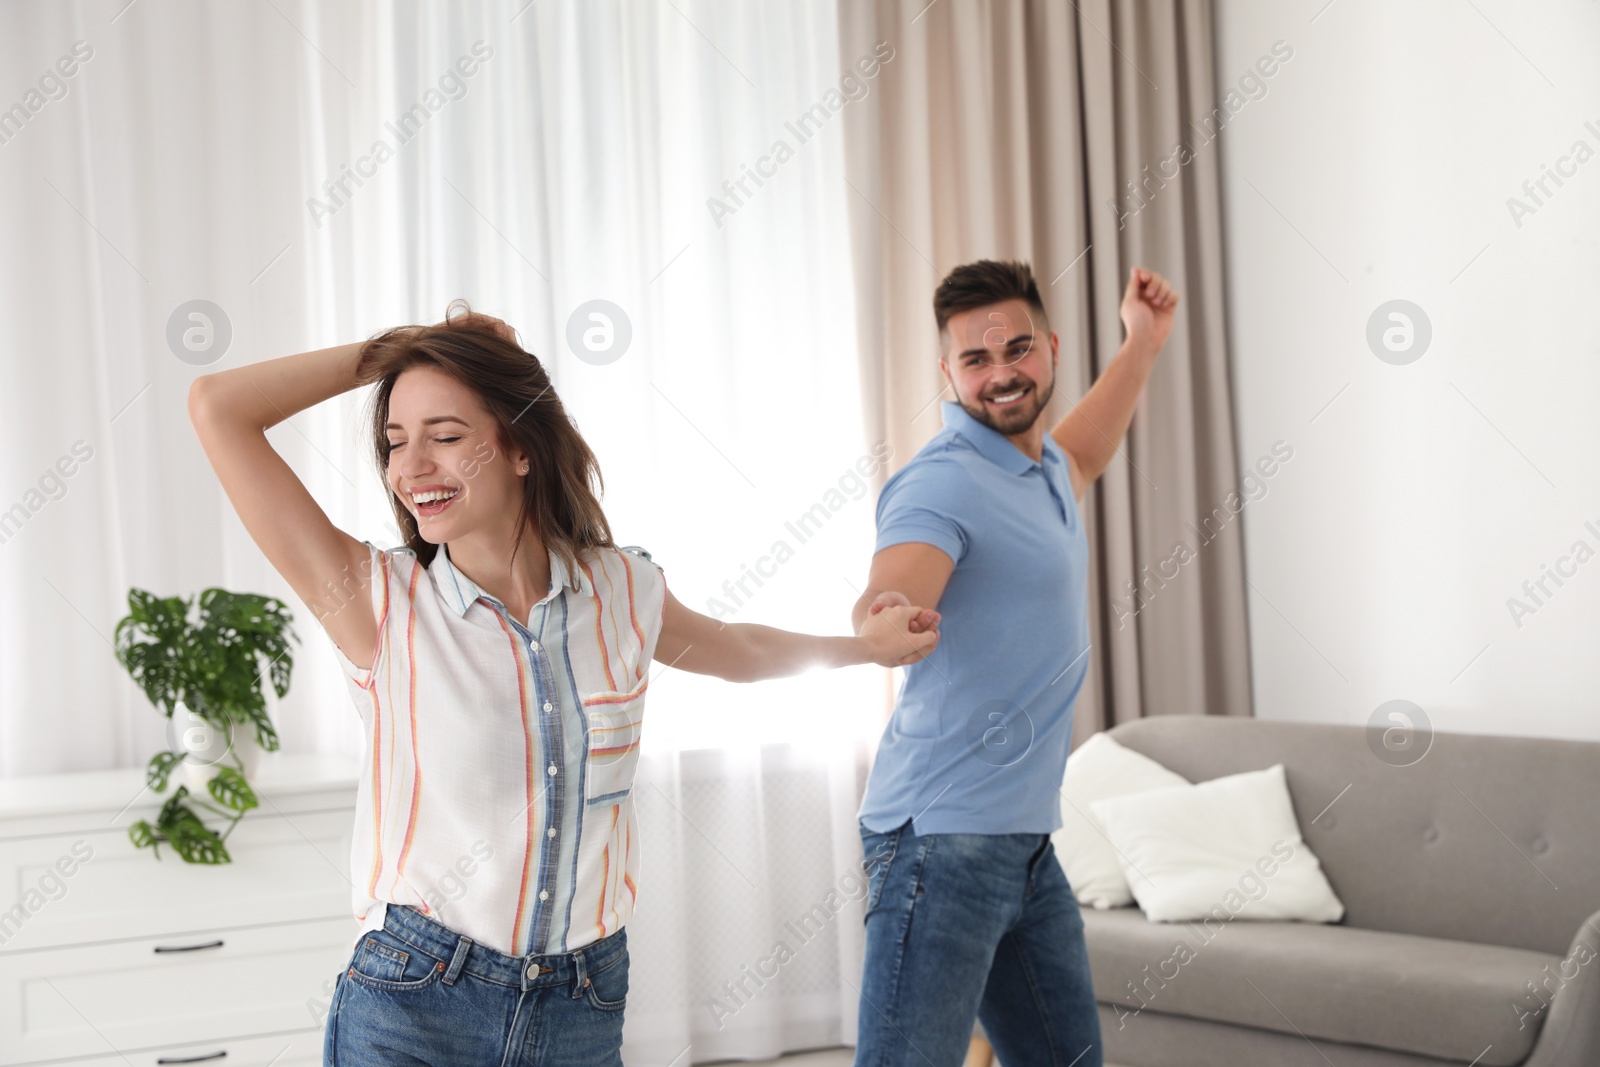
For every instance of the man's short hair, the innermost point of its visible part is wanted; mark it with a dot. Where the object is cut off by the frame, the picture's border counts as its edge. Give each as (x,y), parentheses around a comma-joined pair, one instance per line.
(985,282)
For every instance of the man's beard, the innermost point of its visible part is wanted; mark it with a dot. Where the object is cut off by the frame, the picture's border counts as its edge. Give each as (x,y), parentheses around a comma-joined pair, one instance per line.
(1018,419)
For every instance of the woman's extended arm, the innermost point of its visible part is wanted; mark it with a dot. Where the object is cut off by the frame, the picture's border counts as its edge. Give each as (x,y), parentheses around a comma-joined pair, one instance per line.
(325,566)
(749,652)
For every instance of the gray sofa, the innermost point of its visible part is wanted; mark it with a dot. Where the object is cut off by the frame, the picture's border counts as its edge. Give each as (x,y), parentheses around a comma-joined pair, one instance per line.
(1471,935)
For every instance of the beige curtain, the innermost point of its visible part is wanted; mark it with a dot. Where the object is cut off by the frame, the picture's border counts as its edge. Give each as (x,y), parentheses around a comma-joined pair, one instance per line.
(1012,129)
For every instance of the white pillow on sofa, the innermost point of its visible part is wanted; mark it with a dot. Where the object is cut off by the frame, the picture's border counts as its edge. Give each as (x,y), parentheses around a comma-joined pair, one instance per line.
(1100,768)
(1227,848)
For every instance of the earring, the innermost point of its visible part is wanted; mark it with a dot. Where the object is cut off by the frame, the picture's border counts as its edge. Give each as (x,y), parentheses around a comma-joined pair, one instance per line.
(524,469)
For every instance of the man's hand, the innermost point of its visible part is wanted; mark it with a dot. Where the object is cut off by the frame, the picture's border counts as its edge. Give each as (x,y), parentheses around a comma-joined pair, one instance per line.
(927,619)
(890,639)
(1147,309)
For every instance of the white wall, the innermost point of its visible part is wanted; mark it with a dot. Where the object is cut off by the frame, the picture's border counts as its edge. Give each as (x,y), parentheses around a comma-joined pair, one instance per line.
(1378,165)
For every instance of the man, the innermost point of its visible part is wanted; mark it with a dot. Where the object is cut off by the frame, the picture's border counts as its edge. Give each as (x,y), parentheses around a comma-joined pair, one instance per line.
(968,911)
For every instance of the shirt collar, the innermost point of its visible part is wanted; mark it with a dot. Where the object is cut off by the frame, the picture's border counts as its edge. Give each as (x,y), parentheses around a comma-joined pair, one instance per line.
(460,591)
(991,444)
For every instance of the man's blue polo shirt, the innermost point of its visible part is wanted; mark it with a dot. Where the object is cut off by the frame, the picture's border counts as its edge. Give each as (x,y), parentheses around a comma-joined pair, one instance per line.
(981,729)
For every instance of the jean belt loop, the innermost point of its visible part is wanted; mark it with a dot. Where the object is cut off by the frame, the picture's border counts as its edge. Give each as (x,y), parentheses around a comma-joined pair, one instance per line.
(580,961)
(458,961)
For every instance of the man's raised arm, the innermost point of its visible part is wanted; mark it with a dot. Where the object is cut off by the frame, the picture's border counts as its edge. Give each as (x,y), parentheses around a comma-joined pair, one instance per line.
(1091,431)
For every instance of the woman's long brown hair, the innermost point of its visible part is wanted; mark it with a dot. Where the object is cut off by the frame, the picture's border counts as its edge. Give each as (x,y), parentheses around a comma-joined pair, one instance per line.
(560,500)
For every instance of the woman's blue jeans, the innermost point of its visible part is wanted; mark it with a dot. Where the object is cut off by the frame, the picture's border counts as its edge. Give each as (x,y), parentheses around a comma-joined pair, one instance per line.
(972,925)
(418,994)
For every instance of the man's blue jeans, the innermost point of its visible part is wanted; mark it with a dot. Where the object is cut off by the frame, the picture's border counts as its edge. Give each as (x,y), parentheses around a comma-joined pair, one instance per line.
(972,925)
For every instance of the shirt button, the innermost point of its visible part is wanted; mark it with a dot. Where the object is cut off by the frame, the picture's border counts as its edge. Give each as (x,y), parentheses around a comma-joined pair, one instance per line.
(544,894)
(549,706)
(550,832)
(551,769)
(534,645)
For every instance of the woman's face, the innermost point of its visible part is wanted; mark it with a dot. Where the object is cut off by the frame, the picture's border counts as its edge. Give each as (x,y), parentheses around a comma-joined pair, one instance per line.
(443,448)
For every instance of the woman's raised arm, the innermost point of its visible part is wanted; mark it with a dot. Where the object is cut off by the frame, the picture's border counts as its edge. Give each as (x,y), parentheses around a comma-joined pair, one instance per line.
(326,567)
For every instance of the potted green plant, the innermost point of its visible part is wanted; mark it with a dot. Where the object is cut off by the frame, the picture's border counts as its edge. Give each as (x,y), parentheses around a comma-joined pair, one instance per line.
(202,659)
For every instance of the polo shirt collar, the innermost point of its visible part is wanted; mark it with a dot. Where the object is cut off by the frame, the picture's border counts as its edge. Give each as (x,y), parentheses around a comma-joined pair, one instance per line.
(460,591)
(991,444)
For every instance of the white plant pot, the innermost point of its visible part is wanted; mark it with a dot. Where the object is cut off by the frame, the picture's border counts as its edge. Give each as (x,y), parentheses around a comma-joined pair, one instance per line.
(207,749)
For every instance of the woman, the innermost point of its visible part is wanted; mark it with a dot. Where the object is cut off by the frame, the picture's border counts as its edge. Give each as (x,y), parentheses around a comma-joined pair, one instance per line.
(499,661)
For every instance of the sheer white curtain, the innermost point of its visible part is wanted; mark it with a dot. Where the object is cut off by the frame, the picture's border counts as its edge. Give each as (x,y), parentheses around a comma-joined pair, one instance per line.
(319,172)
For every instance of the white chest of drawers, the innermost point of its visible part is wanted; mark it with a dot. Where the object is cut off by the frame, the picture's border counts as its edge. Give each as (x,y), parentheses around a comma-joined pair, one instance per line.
(110,956)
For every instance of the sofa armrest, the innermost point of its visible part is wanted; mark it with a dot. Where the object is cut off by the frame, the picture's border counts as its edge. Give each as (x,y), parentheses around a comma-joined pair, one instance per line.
(1571,1034)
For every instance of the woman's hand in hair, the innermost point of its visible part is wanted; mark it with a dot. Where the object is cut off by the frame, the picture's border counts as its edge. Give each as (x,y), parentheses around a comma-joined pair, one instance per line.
(477,320)
(501,327)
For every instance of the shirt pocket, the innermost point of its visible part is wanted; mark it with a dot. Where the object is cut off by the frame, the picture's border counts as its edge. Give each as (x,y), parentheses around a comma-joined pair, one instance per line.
(615,721)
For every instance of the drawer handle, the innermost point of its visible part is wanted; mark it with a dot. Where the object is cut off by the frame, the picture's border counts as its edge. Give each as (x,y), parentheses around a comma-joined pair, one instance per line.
(189,948)
(193,1059)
